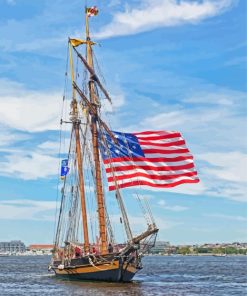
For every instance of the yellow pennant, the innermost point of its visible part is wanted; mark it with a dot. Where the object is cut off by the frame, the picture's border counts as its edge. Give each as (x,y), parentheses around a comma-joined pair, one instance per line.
(77,42)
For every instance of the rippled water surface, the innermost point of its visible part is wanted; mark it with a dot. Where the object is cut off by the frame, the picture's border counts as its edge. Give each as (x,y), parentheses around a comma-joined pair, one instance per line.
(170,276)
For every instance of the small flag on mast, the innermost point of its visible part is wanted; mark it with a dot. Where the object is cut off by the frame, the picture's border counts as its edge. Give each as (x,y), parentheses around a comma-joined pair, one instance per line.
(92,11)
(64,168)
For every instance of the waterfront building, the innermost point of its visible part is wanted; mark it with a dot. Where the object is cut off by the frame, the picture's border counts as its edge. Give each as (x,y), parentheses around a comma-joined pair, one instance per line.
(41,248)
(15,246)
(160,247)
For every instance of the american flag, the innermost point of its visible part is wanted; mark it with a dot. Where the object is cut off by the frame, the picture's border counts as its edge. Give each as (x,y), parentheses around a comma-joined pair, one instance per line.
(151,158)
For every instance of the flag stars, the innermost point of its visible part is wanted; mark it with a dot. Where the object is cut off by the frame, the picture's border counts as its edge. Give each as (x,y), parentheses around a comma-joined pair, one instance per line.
(127,146)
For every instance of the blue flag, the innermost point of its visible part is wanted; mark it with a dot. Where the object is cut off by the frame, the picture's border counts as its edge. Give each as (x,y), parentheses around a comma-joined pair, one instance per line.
(64,168)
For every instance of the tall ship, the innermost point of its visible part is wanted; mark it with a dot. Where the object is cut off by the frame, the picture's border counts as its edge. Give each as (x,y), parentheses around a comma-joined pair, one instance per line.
(93,241)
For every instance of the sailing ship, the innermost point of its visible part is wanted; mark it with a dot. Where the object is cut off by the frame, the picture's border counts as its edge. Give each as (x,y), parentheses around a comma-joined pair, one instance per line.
(85,244)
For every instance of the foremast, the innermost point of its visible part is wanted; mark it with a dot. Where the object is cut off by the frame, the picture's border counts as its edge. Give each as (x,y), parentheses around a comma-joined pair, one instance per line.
(76,129)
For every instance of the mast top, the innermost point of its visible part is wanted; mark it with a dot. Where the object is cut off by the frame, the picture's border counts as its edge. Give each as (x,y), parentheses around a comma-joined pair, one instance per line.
(89,12)
(74,42)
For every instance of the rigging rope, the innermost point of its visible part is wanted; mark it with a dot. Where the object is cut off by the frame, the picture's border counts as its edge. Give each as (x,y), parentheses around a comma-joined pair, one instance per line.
(60,142)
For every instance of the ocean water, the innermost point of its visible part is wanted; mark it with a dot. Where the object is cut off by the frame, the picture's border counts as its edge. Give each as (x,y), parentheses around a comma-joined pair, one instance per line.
(170,276)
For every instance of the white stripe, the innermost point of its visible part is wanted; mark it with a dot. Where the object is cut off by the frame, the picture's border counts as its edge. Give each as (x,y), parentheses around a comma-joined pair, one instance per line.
(151,172)
(142,163)
(160,141)
(154,134)
(163,182)
(150,146)
(170,155)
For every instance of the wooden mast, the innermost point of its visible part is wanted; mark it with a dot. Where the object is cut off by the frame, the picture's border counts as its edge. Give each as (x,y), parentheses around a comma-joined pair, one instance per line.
(76,127)
(94,118)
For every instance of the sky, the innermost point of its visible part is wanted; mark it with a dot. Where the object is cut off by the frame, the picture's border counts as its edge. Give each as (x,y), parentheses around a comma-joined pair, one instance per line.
(168,65)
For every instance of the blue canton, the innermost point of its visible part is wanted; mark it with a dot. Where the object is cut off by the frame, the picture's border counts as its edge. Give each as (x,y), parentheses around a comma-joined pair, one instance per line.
(127,146)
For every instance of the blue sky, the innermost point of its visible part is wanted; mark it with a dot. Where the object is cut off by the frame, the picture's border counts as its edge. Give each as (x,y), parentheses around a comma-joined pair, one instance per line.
(171,65)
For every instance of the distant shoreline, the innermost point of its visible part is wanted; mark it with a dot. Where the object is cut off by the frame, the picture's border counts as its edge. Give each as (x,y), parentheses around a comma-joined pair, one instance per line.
(145,255)
(196,255)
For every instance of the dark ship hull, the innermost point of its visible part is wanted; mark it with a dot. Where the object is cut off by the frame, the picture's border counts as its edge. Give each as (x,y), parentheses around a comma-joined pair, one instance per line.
(109,269)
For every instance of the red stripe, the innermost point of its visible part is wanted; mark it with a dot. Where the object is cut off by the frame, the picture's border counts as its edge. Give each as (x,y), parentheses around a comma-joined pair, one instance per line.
(151,177)
(158,159)
(139,183)
(154,132)
(162,137)
(178,143)
(183,150)
(149,167)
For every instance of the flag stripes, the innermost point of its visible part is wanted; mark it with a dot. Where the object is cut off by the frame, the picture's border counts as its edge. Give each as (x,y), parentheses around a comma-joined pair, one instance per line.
(151,176)
(150,184)
(155,158)
(149,168)
(167,144)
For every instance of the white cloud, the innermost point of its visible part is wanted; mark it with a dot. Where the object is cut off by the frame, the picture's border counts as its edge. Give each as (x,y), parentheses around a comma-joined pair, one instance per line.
(118,100)
(28,165)
(164,224)
(228,217)
(238,61)
(151,14)
(11,2)
(37,44)
(197,120)
(226,166)
(218,98)
(163,204)
(224,174)
(35,111)
(52,147)
(8,137)
(114,3)
(21,34)
(144,197)
(167,119)
(234,191)
(139,223)
(28,110)
(27,210)
(190,189)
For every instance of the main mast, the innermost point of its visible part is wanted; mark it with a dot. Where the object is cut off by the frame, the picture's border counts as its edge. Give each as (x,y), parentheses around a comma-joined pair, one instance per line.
(76,129)
(94,119)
